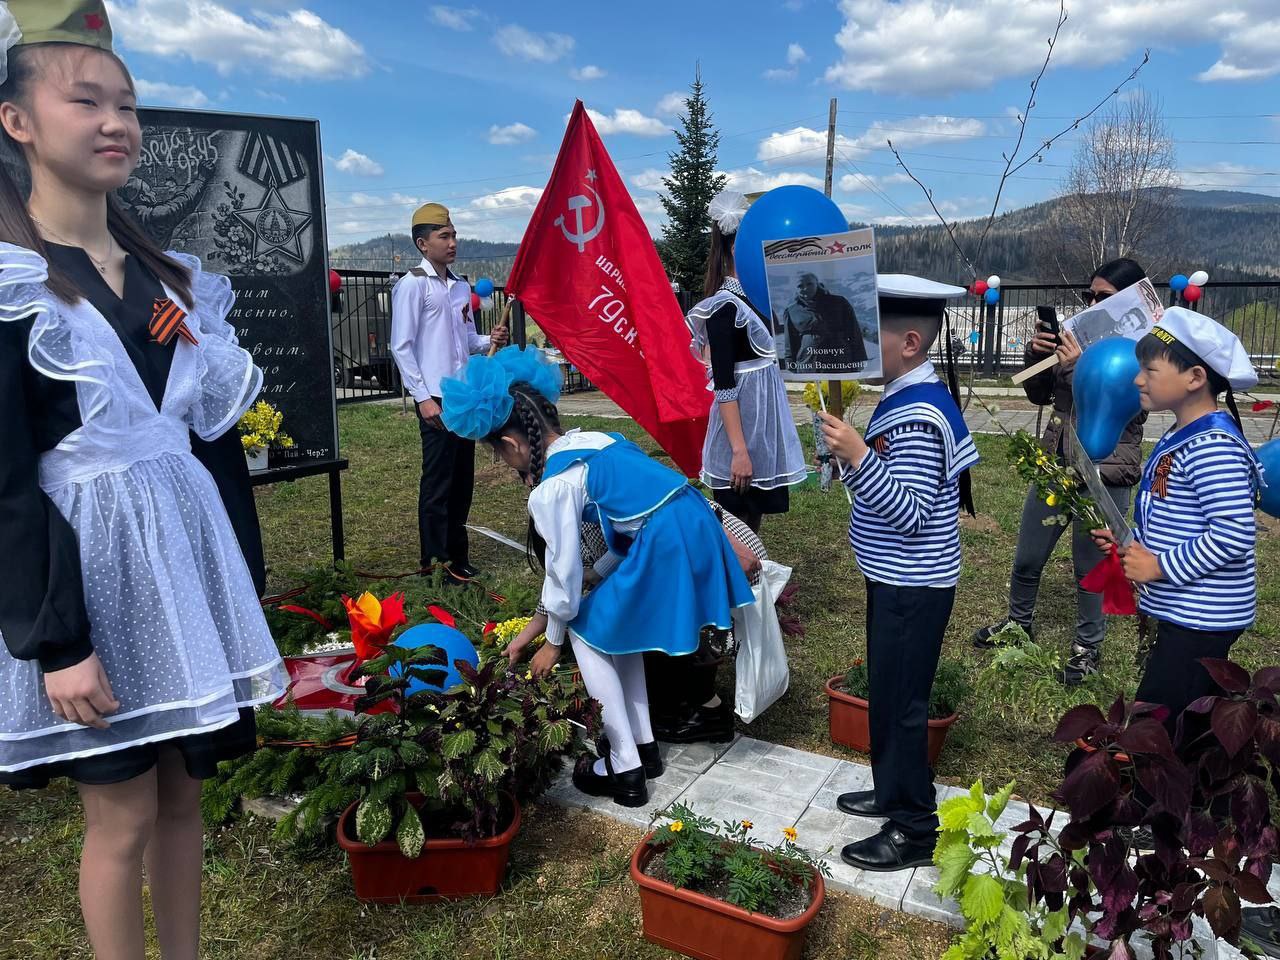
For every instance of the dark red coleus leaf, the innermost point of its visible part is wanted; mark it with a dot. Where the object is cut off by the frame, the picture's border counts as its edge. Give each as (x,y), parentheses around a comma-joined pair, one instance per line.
(1234,722)
(1231,677)
(1090,786)
(1019,851)
(1169,782)
(1268,734)
(1145,736)
(1116,713)
(1252,889)
(1198,833)
(1184,897)
(1249,809)
(1077,723)
(1268,677)
(1222,910)
(1120,950)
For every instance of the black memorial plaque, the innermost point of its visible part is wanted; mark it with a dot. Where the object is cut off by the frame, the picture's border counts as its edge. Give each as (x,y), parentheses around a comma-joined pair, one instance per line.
(245,195)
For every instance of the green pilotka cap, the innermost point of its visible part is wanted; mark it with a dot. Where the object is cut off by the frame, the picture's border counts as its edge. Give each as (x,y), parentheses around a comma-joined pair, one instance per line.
(61,21)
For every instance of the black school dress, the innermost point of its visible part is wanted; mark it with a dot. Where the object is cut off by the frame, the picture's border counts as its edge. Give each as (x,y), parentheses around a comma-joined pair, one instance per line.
(42,608)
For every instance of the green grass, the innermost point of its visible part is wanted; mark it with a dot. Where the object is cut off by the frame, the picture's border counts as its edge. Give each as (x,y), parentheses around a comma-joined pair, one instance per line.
(568,894)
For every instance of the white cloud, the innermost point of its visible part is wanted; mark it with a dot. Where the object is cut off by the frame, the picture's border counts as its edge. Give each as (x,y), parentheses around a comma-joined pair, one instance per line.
(804,146)
(752,180)
(296,44)
(778,73)
(358,164)
(795,54)
(671,105)
(502,215)
(168,94)
(589,72)
(516,41)
(627,121)
(271,95)
(650,179)
(1225,175)
(511,133)
(454,18)
(928,46)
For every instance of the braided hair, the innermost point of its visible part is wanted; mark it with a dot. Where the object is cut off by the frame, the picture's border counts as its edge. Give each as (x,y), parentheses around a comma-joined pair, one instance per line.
(532,417)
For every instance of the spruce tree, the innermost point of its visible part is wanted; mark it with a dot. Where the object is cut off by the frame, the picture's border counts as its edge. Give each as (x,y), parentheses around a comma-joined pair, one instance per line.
(692,185)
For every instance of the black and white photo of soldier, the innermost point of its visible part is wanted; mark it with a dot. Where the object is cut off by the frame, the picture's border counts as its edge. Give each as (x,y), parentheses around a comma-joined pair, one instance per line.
(820,325)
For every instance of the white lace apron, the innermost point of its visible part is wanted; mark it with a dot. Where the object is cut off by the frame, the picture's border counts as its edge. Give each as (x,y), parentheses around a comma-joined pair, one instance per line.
(173,613)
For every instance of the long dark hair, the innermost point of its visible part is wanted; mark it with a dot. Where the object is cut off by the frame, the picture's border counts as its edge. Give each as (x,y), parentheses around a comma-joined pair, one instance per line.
(1120,273)
(16,225)
(532,417)
(719,260)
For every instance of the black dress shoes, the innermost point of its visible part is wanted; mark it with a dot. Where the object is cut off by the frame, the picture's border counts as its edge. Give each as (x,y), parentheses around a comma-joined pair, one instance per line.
(627,789)
(703,725)
(860,803)
(650,756)
(889,850)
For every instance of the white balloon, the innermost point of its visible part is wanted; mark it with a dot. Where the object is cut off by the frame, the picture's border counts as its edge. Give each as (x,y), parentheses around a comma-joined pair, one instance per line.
(993,282)
(1199,278)
(486,303)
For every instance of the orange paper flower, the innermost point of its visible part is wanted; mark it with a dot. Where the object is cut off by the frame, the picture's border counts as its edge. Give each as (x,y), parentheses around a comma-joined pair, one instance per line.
(373,621)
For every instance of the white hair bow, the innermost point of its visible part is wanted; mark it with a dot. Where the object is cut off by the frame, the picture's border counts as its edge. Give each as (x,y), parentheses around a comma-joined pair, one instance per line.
(727,210)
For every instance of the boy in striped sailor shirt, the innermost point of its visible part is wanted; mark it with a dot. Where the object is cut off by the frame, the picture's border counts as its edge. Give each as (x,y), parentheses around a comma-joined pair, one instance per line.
(909,478)
(1194,513)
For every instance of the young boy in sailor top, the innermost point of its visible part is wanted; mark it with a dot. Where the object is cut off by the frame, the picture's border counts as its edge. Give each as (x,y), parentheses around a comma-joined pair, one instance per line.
(1193,516)
(909,478)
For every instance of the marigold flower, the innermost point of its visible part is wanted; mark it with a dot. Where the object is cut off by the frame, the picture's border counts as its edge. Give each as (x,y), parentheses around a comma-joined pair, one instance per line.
(676,826)
(747,824)
(790,833)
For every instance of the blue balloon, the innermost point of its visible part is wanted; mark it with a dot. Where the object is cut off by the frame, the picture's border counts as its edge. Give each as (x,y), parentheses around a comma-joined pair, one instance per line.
(782,213)
(484,287)
(992,295)
(453,642)
(1178,282)
(1269,495)
(1106,396)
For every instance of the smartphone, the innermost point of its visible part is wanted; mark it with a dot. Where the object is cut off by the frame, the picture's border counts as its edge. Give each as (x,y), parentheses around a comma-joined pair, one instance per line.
(1048,317)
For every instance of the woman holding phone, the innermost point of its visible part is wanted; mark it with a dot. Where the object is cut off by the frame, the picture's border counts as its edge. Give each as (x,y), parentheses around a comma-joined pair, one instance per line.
(1120,472)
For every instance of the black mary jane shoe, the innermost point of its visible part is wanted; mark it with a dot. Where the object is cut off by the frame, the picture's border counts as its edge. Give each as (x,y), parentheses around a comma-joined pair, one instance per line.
(650,756)
(887,851)
(464,571)
(860,803)
(627,789)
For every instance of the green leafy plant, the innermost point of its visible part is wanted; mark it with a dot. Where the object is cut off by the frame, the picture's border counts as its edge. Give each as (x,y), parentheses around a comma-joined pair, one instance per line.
(315,610)
(951,687)
(1001,921)
(718,860)
(1057,484)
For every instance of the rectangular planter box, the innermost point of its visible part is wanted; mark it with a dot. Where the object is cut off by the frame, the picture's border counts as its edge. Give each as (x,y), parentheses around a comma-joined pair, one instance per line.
(707,929)
(851,727)
(445,870)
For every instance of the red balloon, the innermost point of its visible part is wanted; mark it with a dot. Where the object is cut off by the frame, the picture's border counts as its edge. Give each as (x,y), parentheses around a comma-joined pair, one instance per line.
(476,304)
(1192,293)
(979,287)
(335,281)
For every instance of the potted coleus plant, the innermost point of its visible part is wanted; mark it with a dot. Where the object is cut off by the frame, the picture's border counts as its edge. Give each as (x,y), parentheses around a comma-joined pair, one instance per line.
(848,706)
(259,432)
(443,776)
(1208,806)
(707,892)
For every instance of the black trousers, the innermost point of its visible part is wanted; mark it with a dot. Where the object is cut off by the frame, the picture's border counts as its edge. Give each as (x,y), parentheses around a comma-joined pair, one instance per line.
(679,685)
(905,627)
(444,494)
(1175,678)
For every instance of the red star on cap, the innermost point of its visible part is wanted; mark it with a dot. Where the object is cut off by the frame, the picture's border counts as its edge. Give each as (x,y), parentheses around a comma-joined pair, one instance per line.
(93,21)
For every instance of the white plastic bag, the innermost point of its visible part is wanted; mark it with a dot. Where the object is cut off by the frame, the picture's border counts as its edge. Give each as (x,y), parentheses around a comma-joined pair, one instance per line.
(762,659)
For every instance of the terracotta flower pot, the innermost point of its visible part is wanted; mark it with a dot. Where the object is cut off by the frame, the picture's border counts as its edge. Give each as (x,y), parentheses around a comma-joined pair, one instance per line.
(445,870)
(708,929)
(851,727)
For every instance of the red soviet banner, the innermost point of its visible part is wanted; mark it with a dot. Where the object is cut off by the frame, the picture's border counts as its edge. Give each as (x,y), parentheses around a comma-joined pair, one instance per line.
(589,274)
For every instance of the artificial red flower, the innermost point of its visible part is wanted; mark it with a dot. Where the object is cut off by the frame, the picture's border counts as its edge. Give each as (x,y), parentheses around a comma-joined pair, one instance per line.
(1263,405)
(373,621)
(443,615)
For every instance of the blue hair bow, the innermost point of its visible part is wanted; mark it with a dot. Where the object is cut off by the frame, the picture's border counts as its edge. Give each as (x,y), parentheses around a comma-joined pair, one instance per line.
(479,402)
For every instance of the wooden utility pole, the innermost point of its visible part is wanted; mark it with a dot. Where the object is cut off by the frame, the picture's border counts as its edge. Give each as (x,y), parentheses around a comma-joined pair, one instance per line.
(835,395)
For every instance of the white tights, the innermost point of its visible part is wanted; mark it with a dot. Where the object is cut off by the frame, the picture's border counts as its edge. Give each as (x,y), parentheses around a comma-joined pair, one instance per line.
(617,683)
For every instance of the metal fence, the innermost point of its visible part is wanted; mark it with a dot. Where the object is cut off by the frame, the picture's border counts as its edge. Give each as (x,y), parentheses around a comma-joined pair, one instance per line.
(1250,310)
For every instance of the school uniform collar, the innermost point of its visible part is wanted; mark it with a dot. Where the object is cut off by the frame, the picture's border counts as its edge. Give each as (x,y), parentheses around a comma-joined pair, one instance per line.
(921,374)
(430,271)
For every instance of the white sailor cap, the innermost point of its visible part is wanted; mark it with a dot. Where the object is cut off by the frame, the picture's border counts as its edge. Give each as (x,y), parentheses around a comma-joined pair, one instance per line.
(902,294)
(1204,342)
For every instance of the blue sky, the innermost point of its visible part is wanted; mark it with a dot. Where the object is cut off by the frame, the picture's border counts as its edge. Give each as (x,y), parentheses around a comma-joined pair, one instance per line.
(465,104)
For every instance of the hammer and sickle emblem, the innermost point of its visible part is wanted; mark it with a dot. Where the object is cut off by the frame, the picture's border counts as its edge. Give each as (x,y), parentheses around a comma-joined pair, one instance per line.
(579,236)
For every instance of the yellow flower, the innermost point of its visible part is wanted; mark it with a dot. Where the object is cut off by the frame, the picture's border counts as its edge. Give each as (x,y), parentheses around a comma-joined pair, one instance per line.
(1051,500)
(747,824)
(676,826)
(790,833)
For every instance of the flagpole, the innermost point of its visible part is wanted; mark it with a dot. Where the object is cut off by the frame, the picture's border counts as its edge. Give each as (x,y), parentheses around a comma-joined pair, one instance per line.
(502,322)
